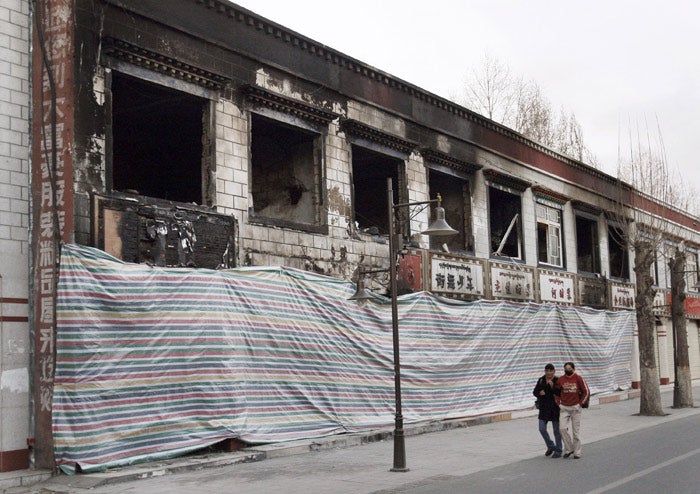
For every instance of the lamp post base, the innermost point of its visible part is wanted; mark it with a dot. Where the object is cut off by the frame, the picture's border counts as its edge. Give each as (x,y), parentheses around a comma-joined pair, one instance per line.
(399,447)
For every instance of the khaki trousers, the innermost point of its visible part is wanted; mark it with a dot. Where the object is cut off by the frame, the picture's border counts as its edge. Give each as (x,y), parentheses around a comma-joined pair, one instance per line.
(572,443)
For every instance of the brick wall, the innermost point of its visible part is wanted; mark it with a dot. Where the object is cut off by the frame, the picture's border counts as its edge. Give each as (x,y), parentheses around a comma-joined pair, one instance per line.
(14,224)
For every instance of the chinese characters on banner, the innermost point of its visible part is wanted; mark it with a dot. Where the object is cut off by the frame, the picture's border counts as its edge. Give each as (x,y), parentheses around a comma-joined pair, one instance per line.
(458,277)
(512,282)
(52,196)
(556,287)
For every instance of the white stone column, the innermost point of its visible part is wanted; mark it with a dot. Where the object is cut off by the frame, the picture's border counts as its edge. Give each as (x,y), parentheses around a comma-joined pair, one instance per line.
(664,335)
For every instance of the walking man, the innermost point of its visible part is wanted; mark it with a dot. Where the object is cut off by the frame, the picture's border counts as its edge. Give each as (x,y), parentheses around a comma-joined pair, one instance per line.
(549,410)
(572,393)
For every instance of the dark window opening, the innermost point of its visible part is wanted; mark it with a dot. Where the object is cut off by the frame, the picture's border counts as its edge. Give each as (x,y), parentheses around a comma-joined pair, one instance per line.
(370,171)
(285,169)
(504,209)
(619,259)
(157,136)
(456,200)
(587,245)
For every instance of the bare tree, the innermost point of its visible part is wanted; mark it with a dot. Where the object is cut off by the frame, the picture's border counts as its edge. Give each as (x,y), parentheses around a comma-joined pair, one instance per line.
(533,115)
(492,90)
(644,194)
(682,387)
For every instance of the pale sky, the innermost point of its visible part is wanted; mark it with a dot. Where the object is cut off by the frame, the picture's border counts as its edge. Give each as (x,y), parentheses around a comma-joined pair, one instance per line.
(610,62)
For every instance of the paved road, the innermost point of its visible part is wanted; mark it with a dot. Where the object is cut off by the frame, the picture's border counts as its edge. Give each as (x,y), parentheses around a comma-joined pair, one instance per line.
(665,458)
(617,444)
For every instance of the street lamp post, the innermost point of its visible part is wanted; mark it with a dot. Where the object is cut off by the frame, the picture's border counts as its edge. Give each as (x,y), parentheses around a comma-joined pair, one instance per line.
(439,227)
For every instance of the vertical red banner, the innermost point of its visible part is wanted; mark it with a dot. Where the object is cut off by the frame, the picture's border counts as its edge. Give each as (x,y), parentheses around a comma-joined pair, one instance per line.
(52,196)
(410,275)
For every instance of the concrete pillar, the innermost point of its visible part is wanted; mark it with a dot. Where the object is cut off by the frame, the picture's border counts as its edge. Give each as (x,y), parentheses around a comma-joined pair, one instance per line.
(634,365)
(664,340)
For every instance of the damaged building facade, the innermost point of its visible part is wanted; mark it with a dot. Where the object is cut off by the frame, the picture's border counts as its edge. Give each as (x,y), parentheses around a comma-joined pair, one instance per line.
(197,133)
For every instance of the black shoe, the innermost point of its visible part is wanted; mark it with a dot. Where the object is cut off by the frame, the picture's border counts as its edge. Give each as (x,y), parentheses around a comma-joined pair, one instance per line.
(576,457)
(556,455)
(566,455)
(548,452)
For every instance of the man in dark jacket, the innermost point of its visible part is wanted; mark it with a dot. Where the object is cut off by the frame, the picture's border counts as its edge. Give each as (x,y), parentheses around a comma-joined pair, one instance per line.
(549,410)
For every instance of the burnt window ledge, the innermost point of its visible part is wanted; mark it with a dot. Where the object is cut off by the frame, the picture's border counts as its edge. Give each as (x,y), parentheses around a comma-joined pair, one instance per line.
(291,225)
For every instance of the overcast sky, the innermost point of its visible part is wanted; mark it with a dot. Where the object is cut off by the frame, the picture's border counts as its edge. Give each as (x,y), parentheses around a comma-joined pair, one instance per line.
(610,62)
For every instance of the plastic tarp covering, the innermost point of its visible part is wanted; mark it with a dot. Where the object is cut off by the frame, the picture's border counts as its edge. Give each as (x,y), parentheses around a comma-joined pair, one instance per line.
(156,362)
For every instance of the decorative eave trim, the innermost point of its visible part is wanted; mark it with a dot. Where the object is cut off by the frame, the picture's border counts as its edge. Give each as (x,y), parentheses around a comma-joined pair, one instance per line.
(614,217)
(357,129)
(440,158)
(503,179)
(550,194)
(259,96)
(586,208)
(147,59)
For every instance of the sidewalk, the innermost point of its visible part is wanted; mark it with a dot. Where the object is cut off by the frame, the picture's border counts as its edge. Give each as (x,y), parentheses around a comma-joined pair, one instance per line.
(431,448)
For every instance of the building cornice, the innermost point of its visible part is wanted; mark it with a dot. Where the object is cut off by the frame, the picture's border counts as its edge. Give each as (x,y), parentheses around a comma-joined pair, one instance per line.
(550,194)
(261,97)
(506,180)
(359,130)
(440,158)
(147,59)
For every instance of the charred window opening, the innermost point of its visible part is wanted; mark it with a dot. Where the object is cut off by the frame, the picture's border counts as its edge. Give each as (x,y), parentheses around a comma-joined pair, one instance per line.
(549,243)
(285,169)
(587,245)
(456,200)
(617,251)
(157,136)
(370,171)
(505,212)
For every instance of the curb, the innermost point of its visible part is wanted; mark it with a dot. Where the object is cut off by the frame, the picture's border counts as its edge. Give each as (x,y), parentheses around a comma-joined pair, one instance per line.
(26,478)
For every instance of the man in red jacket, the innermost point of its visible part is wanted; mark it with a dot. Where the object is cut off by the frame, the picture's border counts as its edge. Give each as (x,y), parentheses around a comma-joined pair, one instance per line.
(572,394)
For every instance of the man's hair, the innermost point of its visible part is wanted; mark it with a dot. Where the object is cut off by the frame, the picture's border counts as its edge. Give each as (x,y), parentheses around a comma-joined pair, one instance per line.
(571,364)
(549,367)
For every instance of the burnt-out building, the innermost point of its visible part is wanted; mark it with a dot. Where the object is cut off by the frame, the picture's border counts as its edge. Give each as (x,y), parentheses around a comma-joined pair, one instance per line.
(197,133)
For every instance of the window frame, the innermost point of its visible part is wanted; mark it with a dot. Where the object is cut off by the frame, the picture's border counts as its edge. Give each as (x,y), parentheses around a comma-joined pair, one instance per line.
(207,97)
(517,226)
(691,275)
(624,250)
(594,244)
(465,227)
(551,240)
(319,224)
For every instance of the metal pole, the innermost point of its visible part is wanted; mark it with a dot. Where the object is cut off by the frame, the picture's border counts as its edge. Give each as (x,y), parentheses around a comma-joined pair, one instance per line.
(399,443)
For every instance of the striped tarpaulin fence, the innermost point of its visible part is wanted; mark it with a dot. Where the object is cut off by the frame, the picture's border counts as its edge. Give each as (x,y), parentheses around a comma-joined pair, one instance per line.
(157,362)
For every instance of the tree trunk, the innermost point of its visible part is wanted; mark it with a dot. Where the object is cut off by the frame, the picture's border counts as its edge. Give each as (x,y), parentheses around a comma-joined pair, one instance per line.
(682,386)
(650,399)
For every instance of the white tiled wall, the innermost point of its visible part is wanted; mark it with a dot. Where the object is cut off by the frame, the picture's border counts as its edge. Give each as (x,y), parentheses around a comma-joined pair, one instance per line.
(14,223)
